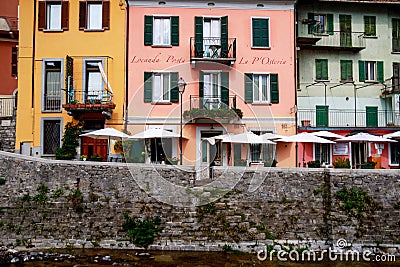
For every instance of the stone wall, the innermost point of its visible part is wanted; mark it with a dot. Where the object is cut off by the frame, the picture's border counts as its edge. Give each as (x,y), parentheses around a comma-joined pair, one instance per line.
(7,133)
(298,206)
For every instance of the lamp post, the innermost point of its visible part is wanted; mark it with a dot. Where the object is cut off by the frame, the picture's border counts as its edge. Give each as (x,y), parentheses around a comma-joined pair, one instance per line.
(181,88)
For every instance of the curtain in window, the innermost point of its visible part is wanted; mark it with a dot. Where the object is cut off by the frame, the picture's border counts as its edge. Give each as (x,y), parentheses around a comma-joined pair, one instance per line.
(95,16)
(95,85)
(54,16)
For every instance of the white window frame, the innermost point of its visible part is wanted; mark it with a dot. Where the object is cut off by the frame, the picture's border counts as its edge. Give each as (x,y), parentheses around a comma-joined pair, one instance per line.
(85,90)
(162,93)
(44,61)
(50,13)
(98,21)
(160,38)
(269,32)
(267,99)
(212,101)
(389,156)
(367,72)
(330,154)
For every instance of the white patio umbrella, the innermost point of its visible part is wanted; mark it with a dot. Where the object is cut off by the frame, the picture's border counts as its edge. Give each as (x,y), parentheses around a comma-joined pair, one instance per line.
(154,133)
(271,136)
(246,138)
(364,138)
(305,138)
(327,134)
(106,133)
(392,135)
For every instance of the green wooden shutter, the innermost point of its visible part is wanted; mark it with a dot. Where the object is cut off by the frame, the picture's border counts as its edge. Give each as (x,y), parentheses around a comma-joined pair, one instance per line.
(274,88)
(322,116)
(260,32)
(201,88)
(237,154)
(371,116)
(175,30)
(329,20)
(225,89)
(174,87)
(198,36)
(248,87)
(346,70)
(370,25)
(379,67)
(148,30)
(321,69)
(148,87)
(224,33)
(361,70)
(311,25)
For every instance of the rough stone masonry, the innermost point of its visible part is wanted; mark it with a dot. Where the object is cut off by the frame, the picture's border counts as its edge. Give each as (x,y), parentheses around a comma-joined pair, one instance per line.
(294,207)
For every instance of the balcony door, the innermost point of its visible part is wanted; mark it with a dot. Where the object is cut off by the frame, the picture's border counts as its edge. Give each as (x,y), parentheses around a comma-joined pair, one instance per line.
(94,81)
(345,30)
(214,90)
(211,36)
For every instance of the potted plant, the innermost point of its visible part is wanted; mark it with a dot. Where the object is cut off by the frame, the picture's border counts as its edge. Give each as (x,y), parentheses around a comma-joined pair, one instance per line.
(368,165)
(341,163)
(96,157)
(83,157)
(172,161)
(240,162)
(314,164)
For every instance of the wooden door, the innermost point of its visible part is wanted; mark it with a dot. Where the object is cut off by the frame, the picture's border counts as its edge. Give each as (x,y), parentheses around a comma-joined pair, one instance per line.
(90,147)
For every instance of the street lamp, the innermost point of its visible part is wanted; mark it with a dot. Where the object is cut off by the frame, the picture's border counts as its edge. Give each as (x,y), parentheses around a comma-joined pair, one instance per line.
(181,88)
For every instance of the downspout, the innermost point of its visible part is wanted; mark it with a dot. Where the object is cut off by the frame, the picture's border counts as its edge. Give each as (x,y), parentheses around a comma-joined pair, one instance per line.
(33,54)
(126,67)
(295,75)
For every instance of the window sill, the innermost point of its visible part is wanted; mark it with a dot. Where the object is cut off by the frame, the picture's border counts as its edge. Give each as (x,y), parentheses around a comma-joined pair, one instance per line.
(368,81)
(370,37)
(161,103)
(262,103)
(396,52)
(317,80)
(53,30)
(94,30)
(261,47)
(347,81)
(161,46)
(52,111)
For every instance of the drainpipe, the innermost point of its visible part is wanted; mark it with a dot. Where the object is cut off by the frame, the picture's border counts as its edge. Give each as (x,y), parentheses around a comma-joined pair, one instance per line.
(126,67)
(295,74)
(33,54)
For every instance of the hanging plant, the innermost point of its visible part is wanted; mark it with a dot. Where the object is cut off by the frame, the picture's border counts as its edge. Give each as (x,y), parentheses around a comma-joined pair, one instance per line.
(70,141)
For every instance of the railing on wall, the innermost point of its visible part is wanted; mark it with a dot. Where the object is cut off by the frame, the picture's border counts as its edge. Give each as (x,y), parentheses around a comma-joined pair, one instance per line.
(7,107)
(348,118)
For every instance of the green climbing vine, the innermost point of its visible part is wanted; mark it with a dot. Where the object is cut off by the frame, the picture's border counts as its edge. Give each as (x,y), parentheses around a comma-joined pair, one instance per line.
(70,141)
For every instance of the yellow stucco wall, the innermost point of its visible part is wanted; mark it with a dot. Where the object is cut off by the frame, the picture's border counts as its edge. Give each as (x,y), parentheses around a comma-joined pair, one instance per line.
(73,42)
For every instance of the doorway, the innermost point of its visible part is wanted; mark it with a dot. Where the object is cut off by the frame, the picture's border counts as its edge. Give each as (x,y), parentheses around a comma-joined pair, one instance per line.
(359,153)
(210,155)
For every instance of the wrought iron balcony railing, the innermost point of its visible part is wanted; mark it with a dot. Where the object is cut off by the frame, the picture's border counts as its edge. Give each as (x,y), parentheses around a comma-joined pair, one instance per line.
(7,107)
(213,48)
(93,99)
(52,102)
(348,118)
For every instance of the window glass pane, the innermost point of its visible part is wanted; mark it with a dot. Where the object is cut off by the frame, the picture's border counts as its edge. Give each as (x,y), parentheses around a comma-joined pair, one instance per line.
(157,30)
(264,88)
(394,153)
(166,87)
(52,86)
(166,31)
(256,91)
(95,16)
(54,16)
(157,87)
(215,86)
(162,31)
(370,71)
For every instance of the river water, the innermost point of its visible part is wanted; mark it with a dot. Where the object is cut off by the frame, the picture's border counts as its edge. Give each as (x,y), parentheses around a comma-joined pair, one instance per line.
(104,257)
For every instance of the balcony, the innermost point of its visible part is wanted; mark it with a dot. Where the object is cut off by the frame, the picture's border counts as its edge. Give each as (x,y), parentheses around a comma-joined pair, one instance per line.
(209,109)
(213,50)
(79,102)
(347,118)
(334,40)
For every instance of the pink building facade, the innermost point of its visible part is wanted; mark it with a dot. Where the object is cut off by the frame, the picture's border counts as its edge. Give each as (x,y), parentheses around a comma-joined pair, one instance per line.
(237,59)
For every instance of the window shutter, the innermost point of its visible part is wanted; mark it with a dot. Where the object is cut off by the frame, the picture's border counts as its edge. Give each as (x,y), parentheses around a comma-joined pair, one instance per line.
(174,87)
(198,36)
(225,89)
(343,71)
(311,25)
(106,15)
(321,69)
(371,116)
(346,70)
(322,115)
(14,61)
(261,32)
(324,69)
(148,87)
(42,16)
(201,88)
(64,15)
(379,67)
(248,87)
(224,33)
(329,18)
(148,30)
(274,88)
(237,153)
(82,15)
(361,70)
(175,30)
